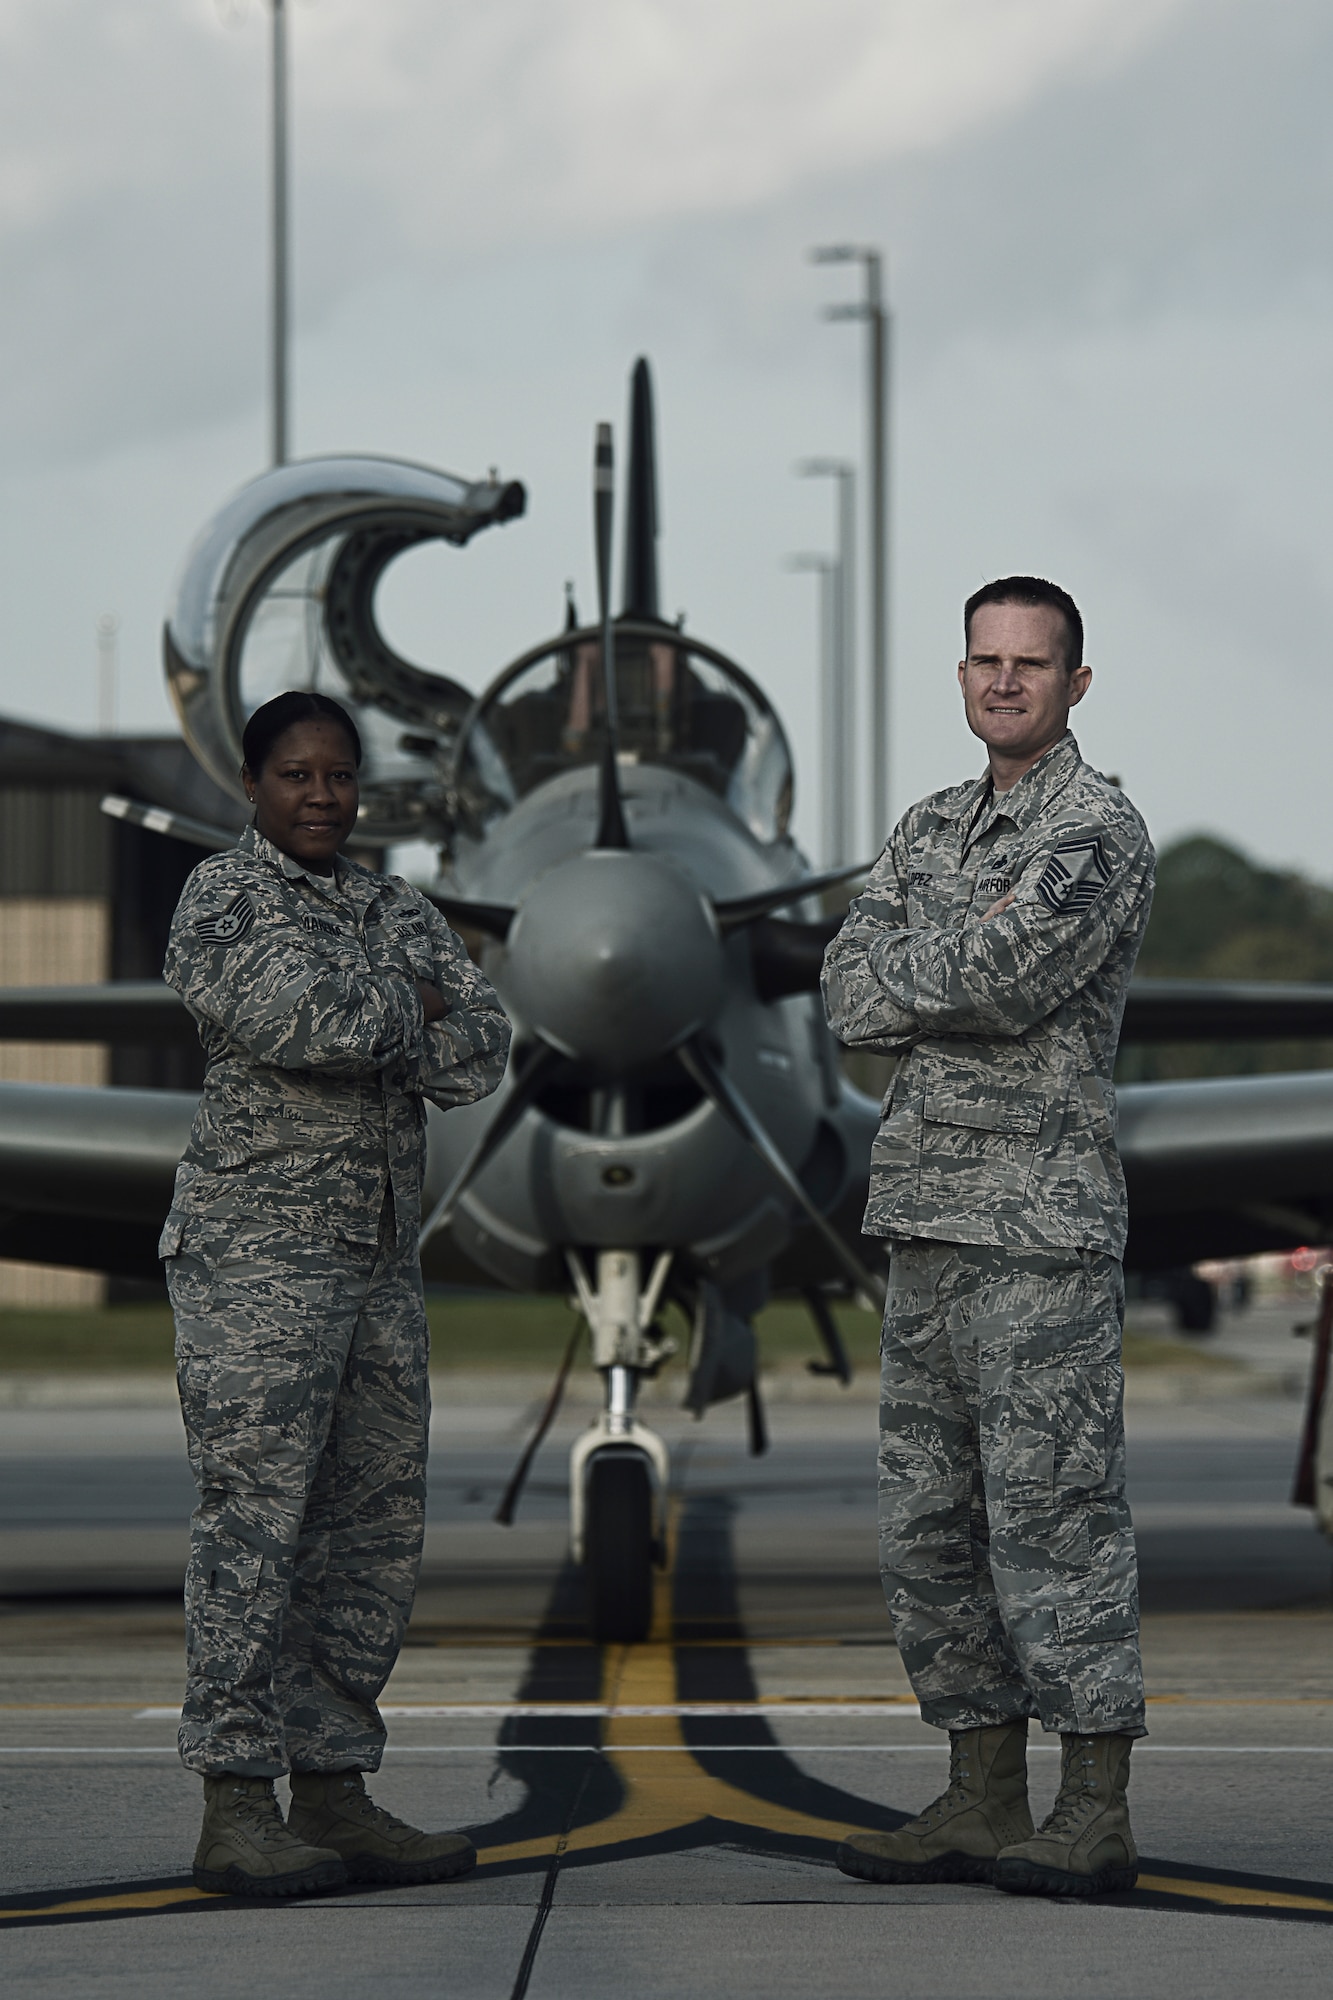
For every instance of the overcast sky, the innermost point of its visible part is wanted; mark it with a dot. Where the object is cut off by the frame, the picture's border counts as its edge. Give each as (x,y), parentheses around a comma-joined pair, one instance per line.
(1108,231)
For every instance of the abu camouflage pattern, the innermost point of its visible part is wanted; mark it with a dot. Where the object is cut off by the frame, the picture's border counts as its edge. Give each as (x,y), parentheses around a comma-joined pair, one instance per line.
(999,1125)
(302,1367)
(292,1264)
(304,989)
(1006,1547)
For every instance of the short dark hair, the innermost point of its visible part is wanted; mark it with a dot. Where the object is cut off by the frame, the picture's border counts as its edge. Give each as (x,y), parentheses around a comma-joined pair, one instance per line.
(1029,590)
(276,717)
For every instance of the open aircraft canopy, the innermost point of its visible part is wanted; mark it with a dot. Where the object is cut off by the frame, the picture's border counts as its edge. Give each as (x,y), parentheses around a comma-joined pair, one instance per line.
(279,591)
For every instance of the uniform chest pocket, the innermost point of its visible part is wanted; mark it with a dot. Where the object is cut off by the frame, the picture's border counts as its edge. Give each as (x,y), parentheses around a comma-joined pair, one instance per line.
(930,894)
(977,1154)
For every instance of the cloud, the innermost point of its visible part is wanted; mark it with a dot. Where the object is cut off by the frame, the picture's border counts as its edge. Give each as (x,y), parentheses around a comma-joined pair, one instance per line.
(133,154)
(1106,230)
(572,115)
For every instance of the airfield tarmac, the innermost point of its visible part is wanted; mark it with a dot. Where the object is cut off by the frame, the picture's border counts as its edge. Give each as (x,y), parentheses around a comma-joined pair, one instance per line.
(658,1820)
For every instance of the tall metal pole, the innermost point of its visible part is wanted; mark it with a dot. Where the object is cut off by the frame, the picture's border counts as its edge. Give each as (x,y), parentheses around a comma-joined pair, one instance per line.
(878,399)
(842,720)
(832,691)
(278,278)
(873,311)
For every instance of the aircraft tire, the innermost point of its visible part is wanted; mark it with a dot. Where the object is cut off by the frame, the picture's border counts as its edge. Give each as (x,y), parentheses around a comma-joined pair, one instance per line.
(619,1547)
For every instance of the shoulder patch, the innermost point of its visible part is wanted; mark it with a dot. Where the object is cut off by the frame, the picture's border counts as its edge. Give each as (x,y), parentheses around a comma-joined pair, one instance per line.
(1074,876)
(230,925)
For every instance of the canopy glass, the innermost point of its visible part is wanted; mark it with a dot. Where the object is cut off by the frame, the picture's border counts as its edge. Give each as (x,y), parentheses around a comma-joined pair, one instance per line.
(681,705)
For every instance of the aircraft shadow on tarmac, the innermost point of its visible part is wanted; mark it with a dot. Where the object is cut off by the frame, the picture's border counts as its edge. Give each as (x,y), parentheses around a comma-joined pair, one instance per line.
(645,1780)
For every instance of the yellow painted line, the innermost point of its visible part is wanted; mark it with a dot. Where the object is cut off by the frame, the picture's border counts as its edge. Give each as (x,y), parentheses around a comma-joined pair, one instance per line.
(1234,1895)
(131,1899)
(670,1792)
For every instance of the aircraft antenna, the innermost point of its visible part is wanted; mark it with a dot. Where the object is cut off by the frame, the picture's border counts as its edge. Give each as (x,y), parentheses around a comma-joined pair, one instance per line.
(611,817)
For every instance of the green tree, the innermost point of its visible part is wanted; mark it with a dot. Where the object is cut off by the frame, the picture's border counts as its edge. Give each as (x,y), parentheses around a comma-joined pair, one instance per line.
(1219,915)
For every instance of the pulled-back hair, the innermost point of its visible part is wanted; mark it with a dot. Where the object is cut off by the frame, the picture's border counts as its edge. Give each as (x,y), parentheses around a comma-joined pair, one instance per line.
(1029,590)
(276,717)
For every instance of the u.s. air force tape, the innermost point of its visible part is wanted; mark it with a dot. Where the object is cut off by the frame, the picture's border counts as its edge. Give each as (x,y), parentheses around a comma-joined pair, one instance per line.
(1074,876)
(230,925)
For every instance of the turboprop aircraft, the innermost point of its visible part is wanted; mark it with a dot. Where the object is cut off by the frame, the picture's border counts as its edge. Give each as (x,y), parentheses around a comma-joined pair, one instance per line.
(612,815)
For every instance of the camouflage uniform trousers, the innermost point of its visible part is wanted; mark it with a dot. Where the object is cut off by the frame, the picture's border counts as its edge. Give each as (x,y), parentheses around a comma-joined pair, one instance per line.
(302,1368)
(1006,1548)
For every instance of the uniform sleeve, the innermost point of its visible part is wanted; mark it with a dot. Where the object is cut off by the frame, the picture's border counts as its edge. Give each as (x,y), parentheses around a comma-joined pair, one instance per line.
(465,1053)
(1080,891)
(266,984)
(860,1013)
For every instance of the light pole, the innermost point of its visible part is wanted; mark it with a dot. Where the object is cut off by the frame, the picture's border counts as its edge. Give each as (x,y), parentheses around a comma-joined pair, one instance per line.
(872,310)
(278,278)
(842,720)
(830,688)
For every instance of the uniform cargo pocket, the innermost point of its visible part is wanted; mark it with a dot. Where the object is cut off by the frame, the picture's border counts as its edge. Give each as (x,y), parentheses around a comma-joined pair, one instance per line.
(976,1154)
(226,1644)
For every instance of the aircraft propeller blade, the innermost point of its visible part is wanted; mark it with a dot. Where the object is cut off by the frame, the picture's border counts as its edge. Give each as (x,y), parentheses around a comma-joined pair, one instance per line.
(718,1086)
(787,957)
(611,831)
(735,913)
(534,1074)
(179,825)
(640,598)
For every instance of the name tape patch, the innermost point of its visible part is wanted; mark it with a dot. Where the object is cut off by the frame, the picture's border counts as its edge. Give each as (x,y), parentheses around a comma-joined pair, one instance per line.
(230,925)
(1074,876)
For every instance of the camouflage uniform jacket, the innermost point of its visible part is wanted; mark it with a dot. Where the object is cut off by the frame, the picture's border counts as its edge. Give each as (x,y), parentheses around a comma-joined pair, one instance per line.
(318,1060)
(999,1125)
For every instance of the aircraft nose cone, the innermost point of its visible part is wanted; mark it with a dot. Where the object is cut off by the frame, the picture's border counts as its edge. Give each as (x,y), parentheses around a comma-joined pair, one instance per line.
(615,959)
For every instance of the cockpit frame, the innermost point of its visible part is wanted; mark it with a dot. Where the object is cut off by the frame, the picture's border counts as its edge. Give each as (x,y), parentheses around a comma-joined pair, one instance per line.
(759,783)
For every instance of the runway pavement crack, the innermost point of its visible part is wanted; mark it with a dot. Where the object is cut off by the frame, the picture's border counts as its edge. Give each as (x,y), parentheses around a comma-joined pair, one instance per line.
(546,1900)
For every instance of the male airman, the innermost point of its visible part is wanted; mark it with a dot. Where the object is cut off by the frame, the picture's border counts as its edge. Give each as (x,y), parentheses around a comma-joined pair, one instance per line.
(990,953)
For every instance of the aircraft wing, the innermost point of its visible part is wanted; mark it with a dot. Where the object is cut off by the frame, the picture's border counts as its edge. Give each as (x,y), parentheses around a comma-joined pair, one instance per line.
(121,1010)
(1220,1167)
(1225,1010)
(1226,1166)
(86,1174)
(787,959)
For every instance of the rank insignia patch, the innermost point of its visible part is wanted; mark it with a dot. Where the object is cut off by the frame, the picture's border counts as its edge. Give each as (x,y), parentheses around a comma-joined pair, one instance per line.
(1074,876)
(231,925)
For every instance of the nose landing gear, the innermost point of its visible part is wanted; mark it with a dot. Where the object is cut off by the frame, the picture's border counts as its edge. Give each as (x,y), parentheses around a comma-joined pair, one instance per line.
(619,1468)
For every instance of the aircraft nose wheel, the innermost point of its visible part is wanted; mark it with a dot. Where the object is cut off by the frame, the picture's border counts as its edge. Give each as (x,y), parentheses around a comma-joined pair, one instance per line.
(619,1469)
(618,1547)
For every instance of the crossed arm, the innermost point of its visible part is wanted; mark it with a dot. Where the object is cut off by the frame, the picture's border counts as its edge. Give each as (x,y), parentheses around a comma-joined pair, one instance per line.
(887,984)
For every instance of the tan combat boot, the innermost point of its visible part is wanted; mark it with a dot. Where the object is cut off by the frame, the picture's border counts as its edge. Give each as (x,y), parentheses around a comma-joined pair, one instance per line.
(1085,1847)
(245,1849)
(958,1837)
(333,1808)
